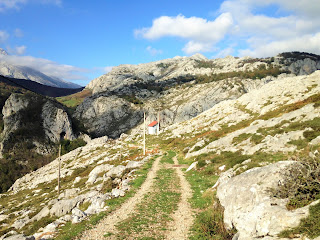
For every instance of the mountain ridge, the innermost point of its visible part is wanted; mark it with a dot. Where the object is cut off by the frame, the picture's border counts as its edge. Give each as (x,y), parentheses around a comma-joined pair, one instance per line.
(28,73)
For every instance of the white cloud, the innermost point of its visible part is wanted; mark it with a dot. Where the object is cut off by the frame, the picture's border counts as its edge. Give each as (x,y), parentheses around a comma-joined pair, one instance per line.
(18,33)
(16,4)
(154,51)
(306,8)
(224,52)
(107,69)
(19,50)
(306,43)
(50,68)
(296,29)
(3,36)
(200,33)
(196,47)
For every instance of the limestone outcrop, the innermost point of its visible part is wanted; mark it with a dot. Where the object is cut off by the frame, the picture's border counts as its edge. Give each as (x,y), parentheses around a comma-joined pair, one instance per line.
(182,87)
(108,115)
(250,207)
(38,120)
(56,122)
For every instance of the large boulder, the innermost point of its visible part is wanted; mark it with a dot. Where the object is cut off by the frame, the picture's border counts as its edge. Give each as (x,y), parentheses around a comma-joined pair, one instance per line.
(249,206)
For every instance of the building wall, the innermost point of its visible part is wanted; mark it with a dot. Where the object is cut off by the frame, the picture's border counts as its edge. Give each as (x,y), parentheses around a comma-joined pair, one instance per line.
(153,130)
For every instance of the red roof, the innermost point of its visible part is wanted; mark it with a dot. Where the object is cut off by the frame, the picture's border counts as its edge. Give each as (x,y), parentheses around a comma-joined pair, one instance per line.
(153,124)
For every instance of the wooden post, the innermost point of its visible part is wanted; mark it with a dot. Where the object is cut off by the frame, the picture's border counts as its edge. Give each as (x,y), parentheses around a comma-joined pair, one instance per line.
(59,170)
(144,133)
(158,128)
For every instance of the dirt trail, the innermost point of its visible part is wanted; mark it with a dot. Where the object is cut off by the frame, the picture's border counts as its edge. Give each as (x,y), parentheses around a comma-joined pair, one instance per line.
(183,217)
(107,225)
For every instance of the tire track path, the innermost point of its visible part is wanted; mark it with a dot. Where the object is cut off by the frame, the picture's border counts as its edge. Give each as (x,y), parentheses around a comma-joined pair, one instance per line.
(107,225)
(183,217)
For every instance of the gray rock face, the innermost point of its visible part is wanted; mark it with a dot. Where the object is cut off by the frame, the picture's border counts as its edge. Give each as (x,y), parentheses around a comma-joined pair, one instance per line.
(25,111)
(13,105)
(249,206)
(56,122)
(111,116)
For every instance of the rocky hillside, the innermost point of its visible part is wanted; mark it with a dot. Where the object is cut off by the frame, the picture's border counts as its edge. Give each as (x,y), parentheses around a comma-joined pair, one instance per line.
(263,147)
(21,72)
(31,125)
(181,88)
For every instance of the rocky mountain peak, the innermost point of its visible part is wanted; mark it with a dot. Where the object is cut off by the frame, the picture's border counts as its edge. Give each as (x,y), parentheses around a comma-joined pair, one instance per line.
(199,56)
(3,52)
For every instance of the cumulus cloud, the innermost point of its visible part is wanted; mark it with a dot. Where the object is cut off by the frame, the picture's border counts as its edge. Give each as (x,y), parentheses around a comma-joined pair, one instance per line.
(154,51)
(292,25)
(200,33)
(16,4)
(267,35)
(50,68)
(3,36)
(306,43)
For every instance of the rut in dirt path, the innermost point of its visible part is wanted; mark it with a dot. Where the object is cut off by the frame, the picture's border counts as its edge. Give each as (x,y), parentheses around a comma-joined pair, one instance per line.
(107,225)
(183,216)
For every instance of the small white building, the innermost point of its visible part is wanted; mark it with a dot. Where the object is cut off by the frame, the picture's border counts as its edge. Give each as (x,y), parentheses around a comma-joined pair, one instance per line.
(153,127)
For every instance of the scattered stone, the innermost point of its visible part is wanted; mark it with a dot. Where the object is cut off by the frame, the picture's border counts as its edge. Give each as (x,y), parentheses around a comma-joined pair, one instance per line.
(116,172)
(68,193)
(76,180)
(20,237)
(63,207)
(117,193)
(3,217)
(96,171)
(193,165)
(133,164)
(43,213)
(222,168)
(20,223)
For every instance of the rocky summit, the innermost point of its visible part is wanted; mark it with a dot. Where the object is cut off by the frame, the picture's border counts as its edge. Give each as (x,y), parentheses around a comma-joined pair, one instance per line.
(237,156)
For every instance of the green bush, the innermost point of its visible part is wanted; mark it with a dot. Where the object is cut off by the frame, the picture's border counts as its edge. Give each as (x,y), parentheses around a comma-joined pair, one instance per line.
(209,225)
(68,145)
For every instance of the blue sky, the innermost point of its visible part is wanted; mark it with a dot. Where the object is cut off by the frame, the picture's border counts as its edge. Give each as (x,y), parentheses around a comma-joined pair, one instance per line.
(80,40)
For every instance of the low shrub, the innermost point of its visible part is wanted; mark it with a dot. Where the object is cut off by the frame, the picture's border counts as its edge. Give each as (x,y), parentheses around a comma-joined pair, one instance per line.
(301,184)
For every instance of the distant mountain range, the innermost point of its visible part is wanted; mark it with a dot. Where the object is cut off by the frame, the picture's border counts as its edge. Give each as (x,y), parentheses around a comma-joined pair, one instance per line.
(22,72)
(39,88)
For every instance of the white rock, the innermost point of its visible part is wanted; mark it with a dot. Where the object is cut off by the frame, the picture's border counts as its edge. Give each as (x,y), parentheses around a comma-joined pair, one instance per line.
(63,207)
(19,237)
(191,166)
(249,206)
(76,180)
(117,193)
(133,164)
(3,217)
(222,167)
(96,171)
(116,172)
(43,213)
